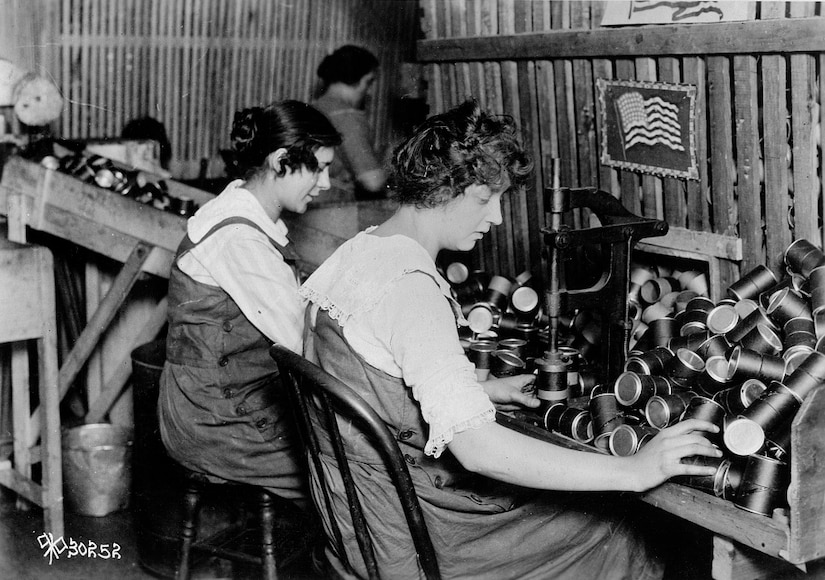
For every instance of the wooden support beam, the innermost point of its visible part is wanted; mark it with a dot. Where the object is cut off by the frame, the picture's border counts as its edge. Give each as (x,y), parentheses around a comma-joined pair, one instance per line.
(115,384)
(22,485)
(793,35)
(109,306)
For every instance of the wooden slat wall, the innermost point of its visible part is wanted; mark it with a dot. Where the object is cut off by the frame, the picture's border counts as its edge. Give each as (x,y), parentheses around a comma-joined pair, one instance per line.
(193,63)
(757,126)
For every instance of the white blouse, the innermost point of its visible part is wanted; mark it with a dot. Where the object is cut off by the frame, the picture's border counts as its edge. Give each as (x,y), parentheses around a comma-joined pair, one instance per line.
(397,313)
(243,263)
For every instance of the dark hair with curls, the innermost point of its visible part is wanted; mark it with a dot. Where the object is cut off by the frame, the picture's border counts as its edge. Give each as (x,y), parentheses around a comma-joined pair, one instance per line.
(347,65)
(295,126)
(453,150)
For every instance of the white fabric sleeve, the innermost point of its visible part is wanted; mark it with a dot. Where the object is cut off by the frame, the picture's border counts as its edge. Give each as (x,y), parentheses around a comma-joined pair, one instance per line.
(246,266)
(419,331)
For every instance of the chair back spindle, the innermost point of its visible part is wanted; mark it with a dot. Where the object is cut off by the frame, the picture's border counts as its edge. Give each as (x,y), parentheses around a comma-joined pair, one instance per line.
(316,392)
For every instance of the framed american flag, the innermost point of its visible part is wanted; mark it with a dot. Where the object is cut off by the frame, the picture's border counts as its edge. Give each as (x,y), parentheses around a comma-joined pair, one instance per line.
(648,127)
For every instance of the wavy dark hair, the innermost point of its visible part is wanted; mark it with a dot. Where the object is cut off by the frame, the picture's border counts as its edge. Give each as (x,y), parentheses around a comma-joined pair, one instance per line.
(347,65)
(295,126)
(453,150)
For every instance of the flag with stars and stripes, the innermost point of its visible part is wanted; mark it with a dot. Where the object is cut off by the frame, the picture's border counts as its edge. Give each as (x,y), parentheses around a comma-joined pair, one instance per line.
(652,121)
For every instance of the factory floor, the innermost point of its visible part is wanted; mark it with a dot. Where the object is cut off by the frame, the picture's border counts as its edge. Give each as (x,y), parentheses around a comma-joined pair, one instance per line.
(23,558)
(147,556)
(147,550)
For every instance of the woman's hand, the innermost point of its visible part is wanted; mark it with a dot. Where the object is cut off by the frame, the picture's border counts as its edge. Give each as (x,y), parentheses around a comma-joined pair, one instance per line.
(511,393)
(661,458)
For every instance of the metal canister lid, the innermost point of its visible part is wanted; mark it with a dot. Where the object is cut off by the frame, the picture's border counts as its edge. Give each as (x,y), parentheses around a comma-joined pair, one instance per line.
(722,318)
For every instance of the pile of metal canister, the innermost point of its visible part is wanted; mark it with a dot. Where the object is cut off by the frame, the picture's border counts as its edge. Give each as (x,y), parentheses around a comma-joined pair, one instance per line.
(503,316)
(745,363)
(137,185)
(507,334)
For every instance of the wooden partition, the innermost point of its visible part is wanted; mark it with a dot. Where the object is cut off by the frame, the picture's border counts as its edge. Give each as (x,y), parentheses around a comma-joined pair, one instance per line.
(758,114)
(193,63)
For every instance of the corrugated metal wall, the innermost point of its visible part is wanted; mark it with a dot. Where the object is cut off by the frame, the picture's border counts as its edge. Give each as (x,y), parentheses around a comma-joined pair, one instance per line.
(192,63)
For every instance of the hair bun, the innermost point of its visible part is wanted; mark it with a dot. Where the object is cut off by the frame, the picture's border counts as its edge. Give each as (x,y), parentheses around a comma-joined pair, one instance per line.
(245,128)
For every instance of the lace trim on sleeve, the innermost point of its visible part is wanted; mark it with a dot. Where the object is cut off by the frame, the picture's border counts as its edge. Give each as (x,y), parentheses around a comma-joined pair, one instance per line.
(435,445)
(324,303)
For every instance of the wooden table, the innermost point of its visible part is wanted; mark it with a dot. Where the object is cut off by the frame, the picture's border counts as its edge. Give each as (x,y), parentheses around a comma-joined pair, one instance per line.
(142,238)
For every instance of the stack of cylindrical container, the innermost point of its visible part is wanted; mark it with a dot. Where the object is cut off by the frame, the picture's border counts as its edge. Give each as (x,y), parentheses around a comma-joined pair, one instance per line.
(503,316)
(745,363)
(138,185)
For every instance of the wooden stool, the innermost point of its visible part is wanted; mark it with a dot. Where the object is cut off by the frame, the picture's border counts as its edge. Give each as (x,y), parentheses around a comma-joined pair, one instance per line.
(270,507)
(27,312)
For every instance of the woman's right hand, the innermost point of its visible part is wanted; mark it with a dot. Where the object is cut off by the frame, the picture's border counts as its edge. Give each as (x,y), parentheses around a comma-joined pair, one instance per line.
(661,458)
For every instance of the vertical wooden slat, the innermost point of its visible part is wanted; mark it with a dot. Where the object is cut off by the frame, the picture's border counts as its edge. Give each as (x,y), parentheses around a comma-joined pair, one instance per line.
(546,97)
(776,148)
(697,206)
(629,181)
(434,92)
(748,182)
(560,18)
(458,18)
(447,72)
(473,15)
(499,259)
(515,205)
(803,75)
(651,194)
(531,204)
(725,218)
(673,190)
(602,69)
(585,109)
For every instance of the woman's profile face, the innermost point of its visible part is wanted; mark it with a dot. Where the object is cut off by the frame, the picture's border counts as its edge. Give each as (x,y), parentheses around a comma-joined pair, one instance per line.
(297,188)
(471,215)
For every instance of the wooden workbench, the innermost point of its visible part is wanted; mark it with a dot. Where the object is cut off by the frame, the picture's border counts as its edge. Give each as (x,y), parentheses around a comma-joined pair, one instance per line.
(798,540)
(140,237)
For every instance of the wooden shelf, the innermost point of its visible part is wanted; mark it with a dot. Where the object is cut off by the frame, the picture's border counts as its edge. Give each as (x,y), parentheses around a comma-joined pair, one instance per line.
(799,540)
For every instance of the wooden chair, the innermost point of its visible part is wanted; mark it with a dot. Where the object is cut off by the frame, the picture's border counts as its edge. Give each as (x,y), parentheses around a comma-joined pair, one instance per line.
(316,392)
(278,528)
(27,312)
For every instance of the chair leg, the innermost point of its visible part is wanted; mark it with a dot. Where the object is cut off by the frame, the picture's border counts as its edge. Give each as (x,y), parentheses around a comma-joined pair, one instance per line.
(267,506)
(191,507)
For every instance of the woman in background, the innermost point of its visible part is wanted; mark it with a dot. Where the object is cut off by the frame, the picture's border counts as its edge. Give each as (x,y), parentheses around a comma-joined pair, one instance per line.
(233,291)
(383,321)
(348,75)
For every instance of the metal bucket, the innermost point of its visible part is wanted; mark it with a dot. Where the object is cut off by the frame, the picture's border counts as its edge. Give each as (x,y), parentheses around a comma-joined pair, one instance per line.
(97,468)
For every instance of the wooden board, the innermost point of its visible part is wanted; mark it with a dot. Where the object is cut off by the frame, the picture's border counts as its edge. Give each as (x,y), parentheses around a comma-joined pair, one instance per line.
(91,217)
(797,540)
(797,35)
(717,515)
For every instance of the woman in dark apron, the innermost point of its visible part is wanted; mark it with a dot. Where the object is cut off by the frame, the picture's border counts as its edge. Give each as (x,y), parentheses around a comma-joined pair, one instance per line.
(382,320)
(233,291)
